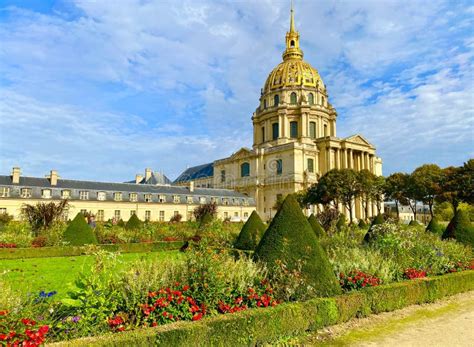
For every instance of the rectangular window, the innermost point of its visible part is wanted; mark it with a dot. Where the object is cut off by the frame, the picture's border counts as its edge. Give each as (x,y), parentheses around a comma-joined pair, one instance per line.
(275,131)
(226,215)
(225,201)
(245,202)
(162,198)
(84,212)
(83,195)
(148,198)
(100,215)
(190,215)
(118,196)
(312,130)
(46,193)
(132,212)
(310,165)
(134,197)
(189,199)
(3,210)
(26,192)
(162,216)
(5,192)
(245,170)
(294,130)
(101,196)
(176,199)
(236,214)
(202,200)
(117,214)
(263,134)
(222,176)
(175,213)
(246,214)
(65,194)
(213,199)
(279,168)
(147,216)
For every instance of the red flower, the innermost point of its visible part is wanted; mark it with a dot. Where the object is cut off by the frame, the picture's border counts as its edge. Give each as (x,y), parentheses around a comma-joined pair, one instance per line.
(197,316)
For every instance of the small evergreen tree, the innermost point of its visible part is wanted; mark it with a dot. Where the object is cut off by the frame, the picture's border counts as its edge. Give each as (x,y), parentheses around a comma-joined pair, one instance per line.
(434,227)
(316,226)
(291,241)
(251,233)
(413,223)
(79,233)
(377,220)
(134,223)
(362,224)
(460,228)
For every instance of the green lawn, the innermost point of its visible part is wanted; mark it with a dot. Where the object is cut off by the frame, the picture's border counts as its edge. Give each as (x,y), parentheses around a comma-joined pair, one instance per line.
(48,274)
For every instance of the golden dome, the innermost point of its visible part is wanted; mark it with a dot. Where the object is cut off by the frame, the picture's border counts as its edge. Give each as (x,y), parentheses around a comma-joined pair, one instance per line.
(293,71)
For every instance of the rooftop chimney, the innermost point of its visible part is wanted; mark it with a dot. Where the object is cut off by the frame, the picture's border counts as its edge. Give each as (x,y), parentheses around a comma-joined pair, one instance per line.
(16,175)
(191,186)
(138,178)
(147,174)
(53,177)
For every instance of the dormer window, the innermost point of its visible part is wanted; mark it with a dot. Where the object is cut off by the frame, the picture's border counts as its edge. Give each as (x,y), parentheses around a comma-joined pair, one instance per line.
(134,197)
(46,193)
(101,196)
(118,196)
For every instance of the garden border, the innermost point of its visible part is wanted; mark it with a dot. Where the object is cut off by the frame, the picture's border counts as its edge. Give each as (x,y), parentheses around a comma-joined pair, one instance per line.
(258,326)
(70,251)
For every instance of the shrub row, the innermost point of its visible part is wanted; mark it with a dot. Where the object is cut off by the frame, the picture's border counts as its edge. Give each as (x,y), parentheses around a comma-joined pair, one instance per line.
(69,251)
(259,326)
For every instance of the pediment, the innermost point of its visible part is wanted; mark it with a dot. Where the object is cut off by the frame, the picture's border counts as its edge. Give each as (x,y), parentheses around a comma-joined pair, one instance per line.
(242,153)
(359,139)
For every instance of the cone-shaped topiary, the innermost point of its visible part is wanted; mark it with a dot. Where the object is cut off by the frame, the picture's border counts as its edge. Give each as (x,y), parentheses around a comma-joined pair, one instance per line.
(377,220)
(121,223)
(362,224)
(205,220)
(133,223)
(79,233)
(291,240)
(341,222)
(434,227)
(316,226)
(251,233)
(460,228)
(413,223)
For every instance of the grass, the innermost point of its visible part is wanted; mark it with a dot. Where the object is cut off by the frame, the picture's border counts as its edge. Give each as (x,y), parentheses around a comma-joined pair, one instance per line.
(53,274)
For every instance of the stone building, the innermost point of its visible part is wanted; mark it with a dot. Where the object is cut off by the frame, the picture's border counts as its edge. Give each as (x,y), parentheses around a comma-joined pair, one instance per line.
(294,139)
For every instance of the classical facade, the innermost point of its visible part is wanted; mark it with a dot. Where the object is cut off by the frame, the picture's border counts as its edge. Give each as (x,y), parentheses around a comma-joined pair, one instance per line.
(294,139)
(149,196)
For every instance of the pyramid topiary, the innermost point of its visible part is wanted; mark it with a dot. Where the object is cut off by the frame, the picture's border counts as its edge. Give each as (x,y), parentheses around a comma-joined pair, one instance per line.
(377,220)
(413,223)
(341,222)
(291,240)
(434,227)
(251,233)
(362,224)
(133,223)
(121,223)
(79,233)
(460,228)
(316,226)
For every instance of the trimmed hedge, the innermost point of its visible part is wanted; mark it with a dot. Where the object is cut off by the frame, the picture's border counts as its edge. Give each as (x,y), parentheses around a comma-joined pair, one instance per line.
(70,251)
(260,326)
(251,233)
(434,227)
(134,223)
(79,233)
(317,228)
(460,228)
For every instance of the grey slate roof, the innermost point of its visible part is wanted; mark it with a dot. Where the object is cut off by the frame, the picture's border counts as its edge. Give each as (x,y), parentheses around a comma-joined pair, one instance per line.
(75,186)
(196,172)
(156,178)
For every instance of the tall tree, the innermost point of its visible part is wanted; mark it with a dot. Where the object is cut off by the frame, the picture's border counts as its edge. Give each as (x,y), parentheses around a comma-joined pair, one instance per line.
(394,189)
(457,185)
(426,181)
(325,192)
(366,184)
(378,190)
(348,189)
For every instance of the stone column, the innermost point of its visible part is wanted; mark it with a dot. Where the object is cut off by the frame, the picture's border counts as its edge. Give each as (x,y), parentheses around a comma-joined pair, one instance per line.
(336,158)
(351,159)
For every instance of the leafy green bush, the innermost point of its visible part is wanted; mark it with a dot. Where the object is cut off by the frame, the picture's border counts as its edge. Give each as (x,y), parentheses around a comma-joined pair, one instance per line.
(290,241)
(434,227)
(251,233)
(134,223)
(377,220)
(413,223)
(316,226)
(341,222)
(53,235)
(18,233)
(460,228)
(362,224)
(79,233)
(206,219)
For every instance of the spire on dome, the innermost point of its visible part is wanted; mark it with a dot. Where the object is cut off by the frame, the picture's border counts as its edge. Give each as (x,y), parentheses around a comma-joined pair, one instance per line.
(293,50)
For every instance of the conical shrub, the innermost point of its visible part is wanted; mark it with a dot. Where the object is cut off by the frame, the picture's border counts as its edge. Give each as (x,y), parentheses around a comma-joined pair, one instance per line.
(79,233)
(134,223)
(205,220)
(460,228)
(290,240)
(251,233)
(377,220)
(434,227)
(362,224)
(413,223)
(316,226)
(341,222)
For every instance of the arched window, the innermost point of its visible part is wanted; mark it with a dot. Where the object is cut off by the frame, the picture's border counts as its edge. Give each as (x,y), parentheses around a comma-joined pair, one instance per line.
(279,168)
(263,134)
(292,43)
(322,100)
(311,98)
(293,130)
(264,103)
(275,131)
(312,130)
(325,130)
(245,170)
(293,98)
(276,100)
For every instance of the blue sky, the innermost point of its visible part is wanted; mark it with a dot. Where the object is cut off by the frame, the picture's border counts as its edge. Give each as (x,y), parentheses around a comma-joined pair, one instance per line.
(102,89)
